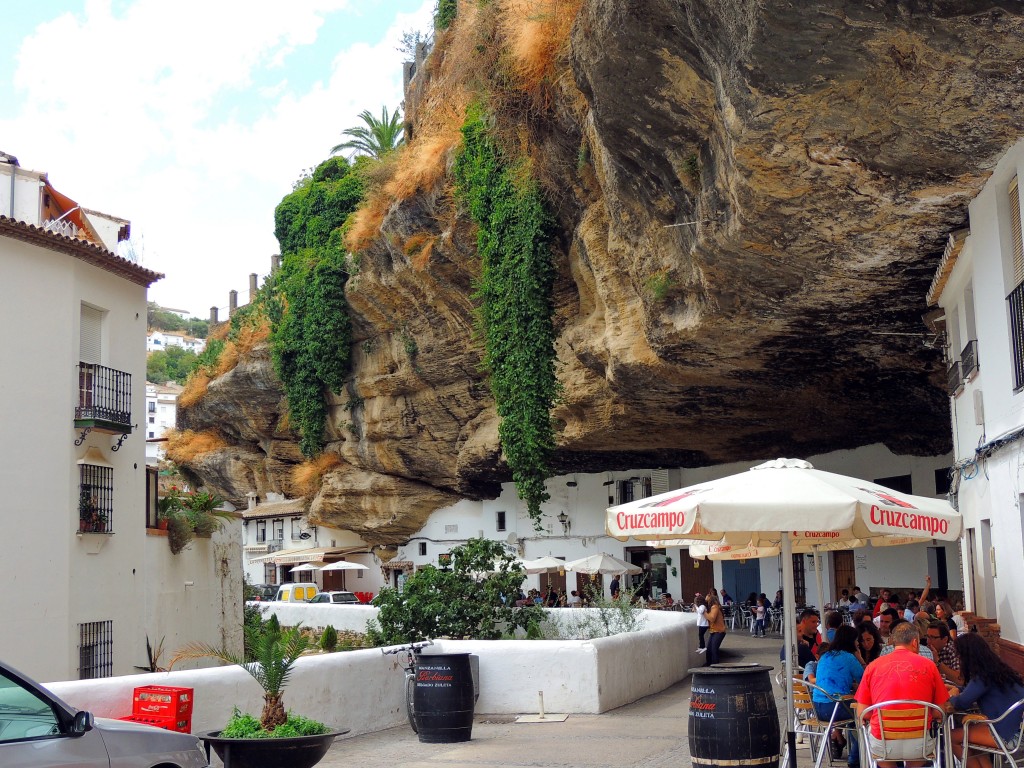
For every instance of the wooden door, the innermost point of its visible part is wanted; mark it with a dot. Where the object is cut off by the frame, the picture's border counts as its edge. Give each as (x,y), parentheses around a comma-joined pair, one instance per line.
(843,575)
(799,581)
(556,580)
(696,576)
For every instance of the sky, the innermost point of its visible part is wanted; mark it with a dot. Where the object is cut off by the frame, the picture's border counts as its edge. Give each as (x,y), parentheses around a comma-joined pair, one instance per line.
(193,119)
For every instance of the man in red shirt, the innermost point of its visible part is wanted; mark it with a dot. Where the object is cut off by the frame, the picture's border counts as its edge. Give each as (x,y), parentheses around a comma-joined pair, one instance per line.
(902,674)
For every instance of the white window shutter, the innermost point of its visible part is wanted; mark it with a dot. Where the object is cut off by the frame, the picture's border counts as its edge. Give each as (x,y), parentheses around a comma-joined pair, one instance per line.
(1015,229)
(91,330)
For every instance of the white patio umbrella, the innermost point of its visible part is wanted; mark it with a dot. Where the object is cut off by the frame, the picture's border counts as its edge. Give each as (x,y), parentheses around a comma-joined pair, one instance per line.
(344,565)
(305,567)
(780,503)
(546,564)
(601,563)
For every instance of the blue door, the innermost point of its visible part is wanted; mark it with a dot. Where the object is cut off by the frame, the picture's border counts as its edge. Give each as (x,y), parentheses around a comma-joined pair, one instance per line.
(741,578)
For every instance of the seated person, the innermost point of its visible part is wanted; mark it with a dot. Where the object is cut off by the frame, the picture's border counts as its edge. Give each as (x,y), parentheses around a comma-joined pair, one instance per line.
(903,674)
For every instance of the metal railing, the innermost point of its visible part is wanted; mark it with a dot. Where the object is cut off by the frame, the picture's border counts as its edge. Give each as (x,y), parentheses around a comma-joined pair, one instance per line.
(1016,302)
(954,381)
(969,360)
(104,394)
(95,499)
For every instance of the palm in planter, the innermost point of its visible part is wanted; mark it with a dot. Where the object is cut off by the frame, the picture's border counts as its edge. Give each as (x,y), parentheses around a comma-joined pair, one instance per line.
(281,739)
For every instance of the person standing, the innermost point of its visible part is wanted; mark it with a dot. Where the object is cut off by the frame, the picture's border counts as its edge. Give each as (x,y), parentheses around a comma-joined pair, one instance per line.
(760,614)
(716,629)
(701,609)
(994,686)
(614,586)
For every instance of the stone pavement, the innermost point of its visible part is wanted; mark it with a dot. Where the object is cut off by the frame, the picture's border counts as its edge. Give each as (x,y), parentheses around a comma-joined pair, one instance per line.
(651,732)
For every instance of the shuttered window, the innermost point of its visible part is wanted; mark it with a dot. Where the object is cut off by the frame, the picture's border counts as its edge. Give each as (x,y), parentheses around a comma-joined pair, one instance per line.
(91,328)
(1015,229)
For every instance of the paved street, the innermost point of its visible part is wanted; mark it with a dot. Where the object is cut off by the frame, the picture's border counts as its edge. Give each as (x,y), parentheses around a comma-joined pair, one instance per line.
(651,732)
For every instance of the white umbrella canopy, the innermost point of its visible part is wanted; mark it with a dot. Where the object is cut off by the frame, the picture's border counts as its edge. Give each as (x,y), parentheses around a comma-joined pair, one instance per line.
(781,503)
(546,564)
(305,567)
(344,565)
(601,563)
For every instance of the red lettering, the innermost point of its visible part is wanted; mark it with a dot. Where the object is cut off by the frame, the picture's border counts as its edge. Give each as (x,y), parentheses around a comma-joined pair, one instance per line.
(699,703)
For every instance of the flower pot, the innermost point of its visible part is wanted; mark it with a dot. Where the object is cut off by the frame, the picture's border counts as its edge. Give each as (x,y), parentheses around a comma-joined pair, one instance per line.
(294,752)
(162,523)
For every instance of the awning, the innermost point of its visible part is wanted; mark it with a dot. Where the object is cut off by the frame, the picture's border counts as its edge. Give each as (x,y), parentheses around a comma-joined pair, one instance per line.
(255,549)
(398,565)
(303,555)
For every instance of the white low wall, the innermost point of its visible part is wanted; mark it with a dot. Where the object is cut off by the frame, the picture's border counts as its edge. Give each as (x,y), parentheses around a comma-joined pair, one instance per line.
(318,615)
(364,690)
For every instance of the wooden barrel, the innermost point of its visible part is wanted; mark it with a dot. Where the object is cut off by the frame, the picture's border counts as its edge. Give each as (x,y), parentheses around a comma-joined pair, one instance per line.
(443,698)
(733,718)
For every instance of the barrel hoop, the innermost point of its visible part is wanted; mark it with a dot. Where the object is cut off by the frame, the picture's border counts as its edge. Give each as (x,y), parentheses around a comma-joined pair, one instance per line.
(744,761)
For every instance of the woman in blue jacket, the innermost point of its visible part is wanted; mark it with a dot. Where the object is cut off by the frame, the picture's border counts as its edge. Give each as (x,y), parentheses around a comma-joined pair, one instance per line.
(994,686)
(838,673)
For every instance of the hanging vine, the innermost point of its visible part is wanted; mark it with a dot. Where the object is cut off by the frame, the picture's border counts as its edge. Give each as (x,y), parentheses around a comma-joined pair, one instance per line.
(514,302)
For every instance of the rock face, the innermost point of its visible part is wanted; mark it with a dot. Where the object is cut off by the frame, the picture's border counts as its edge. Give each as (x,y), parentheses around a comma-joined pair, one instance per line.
(752,198)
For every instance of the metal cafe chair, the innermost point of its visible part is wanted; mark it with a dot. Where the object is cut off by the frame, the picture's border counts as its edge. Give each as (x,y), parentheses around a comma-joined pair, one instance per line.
(910,730)
(808,723)
(1003,749)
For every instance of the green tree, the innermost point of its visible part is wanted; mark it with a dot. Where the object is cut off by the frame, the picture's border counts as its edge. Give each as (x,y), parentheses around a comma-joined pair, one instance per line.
(473,598)
(171,364)
(377,137)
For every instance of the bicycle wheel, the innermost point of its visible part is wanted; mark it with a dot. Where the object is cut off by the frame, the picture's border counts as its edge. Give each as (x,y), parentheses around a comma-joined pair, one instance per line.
(410,707)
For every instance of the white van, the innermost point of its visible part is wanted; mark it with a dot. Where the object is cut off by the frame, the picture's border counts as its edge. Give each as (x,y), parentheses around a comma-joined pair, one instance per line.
(297,592)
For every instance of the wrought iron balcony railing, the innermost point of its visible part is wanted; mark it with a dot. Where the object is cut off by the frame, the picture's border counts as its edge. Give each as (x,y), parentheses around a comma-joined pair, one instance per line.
(1016,302)
(104,399)
(954,381)
(969,360)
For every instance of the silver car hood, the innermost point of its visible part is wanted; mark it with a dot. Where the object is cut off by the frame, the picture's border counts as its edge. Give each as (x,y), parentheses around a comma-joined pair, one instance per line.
(136,745)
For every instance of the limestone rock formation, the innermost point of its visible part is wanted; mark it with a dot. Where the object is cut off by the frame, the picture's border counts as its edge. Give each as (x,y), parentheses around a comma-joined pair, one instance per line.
(751,199)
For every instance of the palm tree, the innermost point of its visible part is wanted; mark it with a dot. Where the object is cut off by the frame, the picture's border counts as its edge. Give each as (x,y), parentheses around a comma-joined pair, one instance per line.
(270,655)
(377,137)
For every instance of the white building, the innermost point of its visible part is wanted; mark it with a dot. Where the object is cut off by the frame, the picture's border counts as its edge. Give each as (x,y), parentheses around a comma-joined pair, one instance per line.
(161,416)
(161,340)
(574,527)
(89,576)
(276,537)
(980,288)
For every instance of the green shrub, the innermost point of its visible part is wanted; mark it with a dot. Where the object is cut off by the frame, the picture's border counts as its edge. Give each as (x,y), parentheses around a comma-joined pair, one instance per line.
(446,12)
(329,639)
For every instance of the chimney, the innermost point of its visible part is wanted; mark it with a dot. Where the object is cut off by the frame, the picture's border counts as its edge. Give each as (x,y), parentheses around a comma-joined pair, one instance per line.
(252,499)
(275,262)
(253,286)
(213,315)
(232,302)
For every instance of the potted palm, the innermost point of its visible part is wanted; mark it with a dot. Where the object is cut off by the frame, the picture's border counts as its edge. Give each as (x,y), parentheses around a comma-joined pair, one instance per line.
(277,739)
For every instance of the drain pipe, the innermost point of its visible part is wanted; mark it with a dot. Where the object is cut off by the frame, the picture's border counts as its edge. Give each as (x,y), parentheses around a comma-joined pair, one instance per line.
(14,173)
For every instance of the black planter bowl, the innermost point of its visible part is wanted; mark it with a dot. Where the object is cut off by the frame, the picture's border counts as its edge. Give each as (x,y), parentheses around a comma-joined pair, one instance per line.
(292,752)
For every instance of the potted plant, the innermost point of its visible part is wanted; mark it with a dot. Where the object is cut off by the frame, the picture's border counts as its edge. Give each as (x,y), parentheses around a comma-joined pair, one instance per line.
(203,514)
(277,738)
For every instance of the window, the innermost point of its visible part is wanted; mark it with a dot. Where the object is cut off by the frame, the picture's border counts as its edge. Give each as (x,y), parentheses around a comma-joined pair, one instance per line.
(152,435)
(90,333)
(152,485)
(269,573)
(151,407)
(942,482)
(296,527)
(359,573)
(261,531)
(41,723)
(645,487)
(95,649)
(898,483)
(95,498)
(625,489)
(500,521)
(152,420)
(279,529)
(1016,297)
(423,548)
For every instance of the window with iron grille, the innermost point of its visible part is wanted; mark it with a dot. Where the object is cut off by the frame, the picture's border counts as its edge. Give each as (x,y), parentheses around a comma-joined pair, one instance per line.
(625,488)
(95,649)
(296,527)
(1016,298)
(422,548)
(152,484)
(261,531)
(500,522)
(279,529)
(95,499)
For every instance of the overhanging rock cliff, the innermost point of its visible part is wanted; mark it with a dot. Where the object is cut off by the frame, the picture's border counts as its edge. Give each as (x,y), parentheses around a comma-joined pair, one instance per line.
(751,200)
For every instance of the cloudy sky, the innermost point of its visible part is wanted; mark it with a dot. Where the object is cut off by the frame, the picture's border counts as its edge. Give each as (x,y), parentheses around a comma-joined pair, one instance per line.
(193,118)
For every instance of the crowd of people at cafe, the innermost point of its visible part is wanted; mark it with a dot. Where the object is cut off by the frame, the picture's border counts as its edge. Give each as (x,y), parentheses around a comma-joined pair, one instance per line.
(920,649)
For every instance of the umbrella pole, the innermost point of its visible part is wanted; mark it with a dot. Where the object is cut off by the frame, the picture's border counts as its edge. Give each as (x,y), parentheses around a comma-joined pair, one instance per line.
(788,630)
(817,575)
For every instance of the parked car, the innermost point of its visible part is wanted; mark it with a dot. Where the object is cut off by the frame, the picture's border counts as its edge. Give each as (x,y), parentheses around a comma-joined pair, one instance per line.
(38,729)
(336,598)
(262,592)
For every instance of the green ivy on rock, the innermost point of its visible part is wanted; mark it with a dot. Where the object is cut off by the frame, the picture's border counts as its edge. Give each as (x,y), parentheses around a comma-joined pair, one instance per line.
(515,302)
(311,332)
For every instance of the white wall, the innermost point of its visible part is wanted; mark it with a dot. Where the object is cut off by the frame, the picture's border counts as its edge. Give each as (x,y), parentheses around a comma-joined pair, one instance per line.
(989,490)
(363,690)
(26,193)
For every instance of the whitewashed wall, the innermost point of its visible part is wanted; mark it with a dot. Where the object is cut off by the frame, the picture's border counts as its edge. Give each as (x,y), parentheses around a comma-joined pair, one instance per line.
(363,690)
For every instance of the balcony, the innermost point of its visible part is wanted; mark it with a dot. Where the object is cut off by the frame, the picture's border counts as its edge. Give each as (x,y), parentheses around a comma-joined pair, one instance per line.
(104,399)
(969,360)
(954,380)
(95,498)
(1016,302)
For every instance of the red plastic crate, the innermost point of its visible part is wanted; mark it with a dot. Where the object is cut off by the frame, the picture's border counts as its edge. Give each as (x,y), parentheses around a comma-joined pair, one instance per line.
(168,723)
(163,701)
